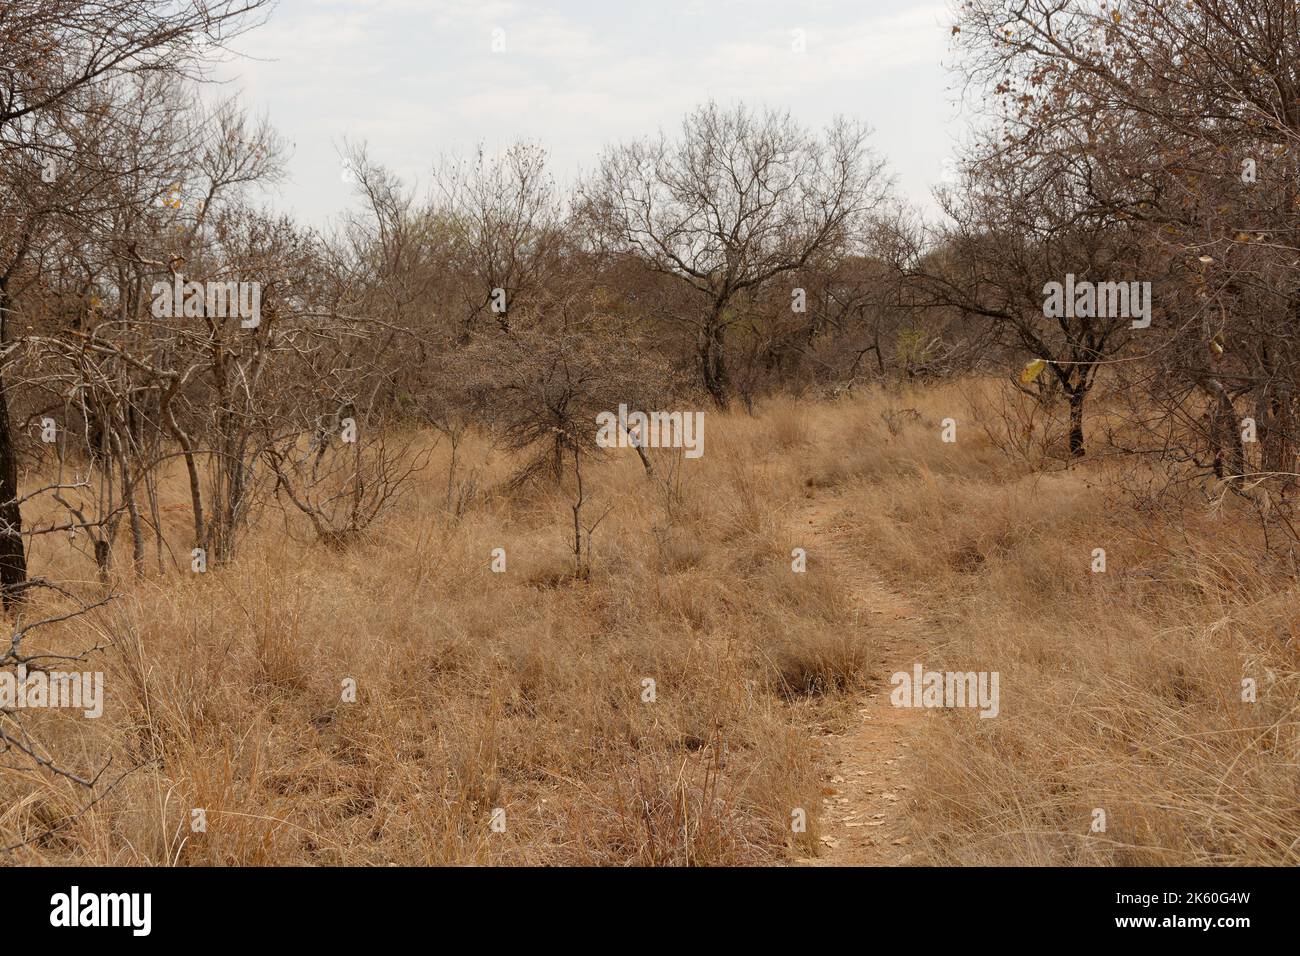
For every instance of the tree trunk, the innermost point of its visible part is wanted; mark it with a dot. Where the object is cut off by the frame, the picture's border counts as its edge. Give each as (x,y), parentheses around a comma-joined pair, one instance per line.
(713,363)
(1225,436)
(132,508)
(192,471)
(1077,396)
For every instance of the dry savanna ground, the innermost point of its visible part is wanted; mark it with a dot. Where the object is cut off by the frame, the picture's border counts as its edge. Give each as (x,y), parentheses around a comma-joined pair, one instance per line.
(526,690)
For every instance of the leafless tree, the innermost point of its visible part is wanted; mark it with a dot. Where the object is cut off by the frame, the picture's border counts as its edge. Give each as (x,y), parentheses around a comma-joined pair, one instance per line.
(1185,118)
(739,200)
(58,57)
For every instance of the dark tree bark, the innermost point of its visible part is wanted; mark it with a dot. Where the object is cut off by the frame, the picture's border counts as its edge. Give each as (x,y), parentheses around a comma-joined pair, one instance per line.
(713,364)
(1077,397)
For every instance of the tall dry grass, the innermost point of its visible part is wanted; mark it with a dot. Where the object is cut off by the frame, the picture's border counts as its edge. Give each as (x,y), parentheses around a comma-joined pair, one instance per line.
(1121,691)
(524,690)
(477,690)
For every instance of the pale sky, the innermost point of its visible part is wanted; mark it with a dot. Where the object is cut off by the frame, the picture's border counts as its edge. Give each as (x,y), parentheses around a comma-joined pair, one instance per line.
(416,79)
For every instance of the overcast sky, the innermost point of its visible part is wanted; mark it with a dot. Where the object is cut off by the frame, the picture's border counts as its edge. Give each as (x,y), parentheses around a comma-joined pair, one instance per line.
(418,78)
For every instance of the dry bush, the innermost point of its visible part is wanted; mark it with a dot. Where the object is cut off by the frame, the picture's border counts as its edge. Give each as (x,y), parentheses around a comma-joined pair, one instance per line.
(1026,425)
(341,485)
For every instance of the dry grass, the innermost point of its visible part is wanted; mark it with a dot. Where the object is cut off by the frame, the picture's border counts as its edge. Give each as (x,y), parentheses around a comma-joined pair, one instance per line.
(1120,691)
(523,690)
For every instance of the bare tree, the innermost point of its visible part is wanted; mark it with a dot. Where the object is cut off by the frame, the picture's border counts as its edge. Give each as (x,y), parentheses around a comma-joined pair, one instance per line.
(1018,224)
(1185,118)
(58,55)
(503,216)
(741,198)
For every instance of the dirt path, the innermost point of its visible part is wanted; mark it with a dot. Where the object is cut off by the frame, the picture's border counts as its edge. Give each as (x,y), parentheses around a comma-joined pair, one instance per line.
(869,767)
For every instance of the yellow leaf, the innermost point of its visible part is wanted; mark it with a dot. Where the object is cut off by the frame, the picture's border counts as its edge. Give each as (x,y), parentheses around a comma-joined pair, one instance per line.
(1032,370)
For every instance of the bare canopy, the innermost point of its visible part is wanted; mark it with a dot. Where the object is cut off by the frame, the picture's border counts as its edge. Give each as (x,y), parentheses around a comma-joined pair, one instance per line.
(740,199)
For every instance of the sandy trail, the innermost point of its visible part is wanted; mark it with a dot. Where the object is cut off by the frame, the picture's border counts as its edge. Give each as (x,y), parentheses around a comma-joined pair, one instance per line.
(869,768)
